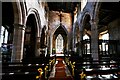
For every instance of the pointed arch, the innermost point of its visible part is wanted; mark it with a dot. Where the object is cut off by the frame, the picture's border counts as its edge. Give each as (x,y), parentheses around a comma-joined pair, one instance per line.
(32,42)
(37,18)
(19,12)
(85,17)
(59,30)
(96,10)
(59,44)
(60,26)
(86,36)
(86,26)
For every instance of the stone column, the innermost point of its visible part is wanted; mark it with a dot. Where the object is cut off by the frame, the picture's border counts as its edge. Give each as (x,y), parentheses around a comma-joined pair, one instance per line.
(0,35)
(37,54)
(0,53)
(94,40)
(18,43)
(73,39)
(0,43)
(80,44)
(50,44)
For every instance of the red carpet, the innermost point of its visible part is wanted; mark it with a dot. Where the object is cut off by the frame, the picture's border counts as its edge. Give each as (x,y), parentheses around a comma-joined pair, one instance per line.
(60,71)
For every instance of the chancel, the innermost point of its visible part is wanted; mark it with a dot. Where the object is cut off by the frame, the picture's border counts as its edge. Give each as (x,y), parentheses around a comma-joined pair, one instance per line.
(62,40)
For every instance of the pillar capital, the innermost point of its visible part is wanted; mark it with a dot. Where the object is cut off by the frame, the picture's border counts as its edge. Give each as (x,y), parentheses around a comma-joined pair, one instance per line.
(19,26)
(38,39)
(92,21)
(93,24)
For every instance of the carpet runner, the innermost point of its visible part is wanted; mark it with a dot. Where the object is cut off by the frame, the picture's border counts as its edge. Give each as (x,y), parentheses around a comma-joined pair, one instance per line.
(60,71)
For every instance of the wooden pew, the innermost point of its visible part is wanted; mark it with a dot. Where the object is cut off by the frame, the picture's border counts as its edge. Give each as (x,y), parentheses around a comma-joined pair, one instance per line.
(24,70)
(96,68)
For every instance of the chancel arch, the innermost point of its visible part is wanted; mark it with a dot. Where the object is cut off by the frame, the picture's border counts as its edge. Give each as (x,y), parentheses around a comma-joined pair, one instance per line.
(61,34)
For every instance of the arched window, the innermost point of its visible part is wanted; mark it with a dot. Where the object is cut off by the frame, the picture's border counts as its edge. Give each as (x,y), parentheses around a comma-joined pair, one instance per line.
(59,44)
(6,49)
(86,37)
(105,36)
(105,45)
(4,35)
(87,44)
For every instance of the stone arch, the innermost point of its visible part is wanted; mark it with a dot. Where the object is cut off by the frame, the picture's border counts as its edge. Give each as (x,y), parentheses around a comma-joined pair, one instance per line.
(24,12)
(19,10)
(58,27)
(52,37)
(85,24)
(96,11)
(33,31)
(52,33)
(37,18)
(84,16)
(85,30)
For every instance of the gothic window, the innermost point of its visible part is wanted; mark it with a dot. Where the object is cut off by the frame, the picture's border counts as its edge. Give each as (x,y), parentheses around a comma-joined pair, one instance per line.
(6,49)
(104,44)
(85,37)
(59,44)
(87,44)
(4,35)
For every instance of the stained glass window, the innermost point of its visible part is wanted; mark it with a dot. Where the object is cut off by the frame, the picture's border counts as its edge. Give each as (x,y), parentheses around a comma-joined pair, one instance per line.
(59,44)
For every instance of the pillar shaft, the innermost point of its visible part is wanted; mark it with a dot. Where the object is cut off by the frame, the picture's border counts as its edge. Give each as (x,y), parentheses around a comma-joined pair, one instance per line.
(80,44)
(18,43)
(94,40)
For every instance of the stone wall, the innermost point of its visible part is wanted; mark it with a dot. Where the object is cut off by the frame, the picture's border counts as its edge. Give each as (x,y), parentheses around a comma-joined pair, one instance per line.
(114,32)
(54,20)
